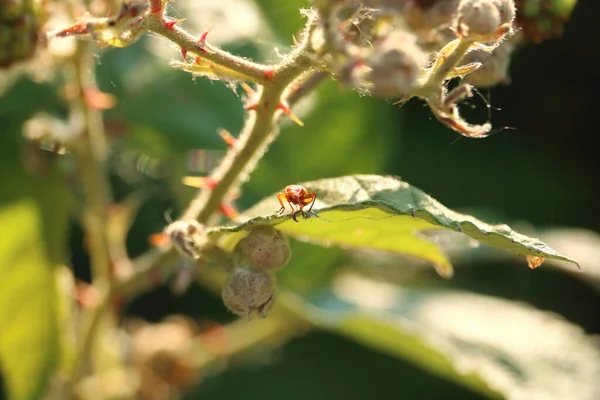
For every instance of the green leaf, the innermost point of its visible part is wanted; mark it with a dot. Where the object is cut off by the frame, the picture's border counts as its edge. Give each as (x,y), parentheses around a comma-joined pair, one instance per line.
(33,229)
(384,213)
(488,344)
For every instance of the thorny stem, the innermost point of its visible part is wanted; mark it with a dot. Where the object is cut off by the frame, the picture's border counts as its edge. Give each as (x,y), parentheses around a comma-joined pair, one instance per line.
(251,71)
(256,135)
(258,132)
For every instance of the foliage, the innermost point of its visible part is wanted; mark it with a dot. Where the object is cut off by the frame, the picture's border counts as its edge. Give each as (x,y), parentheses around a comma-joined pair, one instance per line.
(104,145)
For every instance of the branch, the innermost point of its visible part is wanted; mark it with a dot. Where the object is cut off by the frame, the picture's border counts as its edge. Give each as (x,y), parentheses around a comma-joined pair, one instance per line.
(258,132)
(250,71)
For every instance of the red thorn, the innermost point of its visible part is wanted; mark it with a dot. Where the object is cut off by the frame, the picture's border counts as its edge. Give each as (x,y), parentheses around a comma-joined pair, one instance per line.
(227,138)
(170,23)
(211,183)
(269,74)
(97,100)
(87,296)
(184,54)
(265,104)
(77,29)
(253,106)
(286,110)
(205,34)
(118,304)
(249,91)
(229,211)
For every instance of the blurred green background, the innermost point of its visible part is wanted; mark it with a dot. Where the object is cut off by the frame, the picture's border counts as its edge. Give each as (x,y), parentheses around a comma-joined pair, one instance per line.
(539,168)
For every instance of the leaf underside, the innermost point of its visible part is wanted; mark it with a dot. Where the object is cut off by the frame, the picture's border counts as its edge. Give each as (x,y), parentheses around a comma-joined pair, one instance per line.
(488,344)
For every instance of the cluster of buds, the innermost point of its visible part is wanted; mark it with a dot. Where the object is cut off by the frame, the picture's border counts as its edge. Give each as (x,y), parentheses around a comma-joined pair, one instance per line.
(405,49)
(251,286)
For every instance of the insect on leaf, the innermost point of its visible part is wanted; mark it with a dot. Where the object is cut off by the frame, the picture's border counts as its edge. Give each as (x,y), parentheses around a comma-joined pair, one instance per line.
(387,214)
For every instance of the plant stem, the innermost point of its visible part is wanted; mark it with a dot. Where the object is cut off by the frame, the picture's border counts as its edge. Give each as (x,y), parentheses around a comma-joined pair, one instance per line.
(258,132)
(437,77)
(90,152)
(252,71)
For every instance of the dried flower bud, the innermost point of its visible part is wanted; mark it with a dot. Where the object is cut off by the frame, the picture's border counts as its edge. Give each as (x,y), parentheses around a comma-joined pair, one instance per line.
(188,237)
(247,291)
(484,17)
(395,64)
(265,248)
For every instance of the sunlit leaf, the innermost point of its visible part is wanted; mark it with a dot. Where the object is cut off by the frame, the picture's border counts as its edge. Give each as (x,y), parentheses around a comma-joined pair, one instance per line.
(33,229)
(517,350)
(384,213)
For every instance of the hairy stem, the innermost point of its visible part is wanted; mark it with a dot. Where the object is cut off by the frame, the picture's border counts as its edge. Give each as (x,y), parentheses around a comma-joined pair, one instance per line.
(258,132)
(249,70)
(451,61)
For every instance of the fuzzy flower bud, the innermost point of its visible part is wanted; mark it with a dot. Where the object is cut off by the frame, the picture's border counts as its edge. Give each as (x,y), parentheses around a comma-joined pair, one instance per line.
(495,66)
(395,65)
(264,249)
(484,17)
(247,291)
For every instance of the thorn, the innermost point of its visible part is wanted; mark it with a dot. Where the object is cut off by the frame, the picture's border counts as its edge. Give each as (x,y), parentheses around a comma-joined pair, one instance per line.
(229,211)
(159,240)
(170,23)
(77,29)
(269,74)
(205,34)
(184,54)
(211,183)
(252,106)
(97,100)
(87,295)
(402,100)
(294,40)
(286,110)
(118,303)
(199,182)
(227,137)
(249,91)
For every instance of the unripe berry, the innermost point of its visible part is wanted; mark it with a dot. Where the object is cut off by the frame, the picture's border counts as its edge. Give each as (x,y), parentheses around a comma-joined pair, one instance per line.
(264,249)
(247,291)
(395,64)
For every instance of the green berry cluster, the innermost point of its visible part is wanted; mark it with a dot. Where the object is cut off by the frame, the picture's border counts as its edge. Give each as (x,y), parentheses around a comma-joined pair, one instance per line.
(251,285)
(20,22)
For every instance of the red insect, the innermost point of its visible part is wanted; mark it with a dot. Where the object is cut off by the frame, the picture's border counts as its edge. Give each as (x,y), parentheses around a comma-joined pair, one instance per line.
(298,195)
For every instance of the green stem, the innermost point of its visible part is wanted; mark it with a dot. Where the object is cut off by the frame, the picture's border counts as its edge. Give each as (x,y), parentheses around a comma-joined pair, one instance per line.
(90,151)
(437,77)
